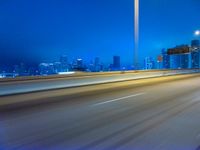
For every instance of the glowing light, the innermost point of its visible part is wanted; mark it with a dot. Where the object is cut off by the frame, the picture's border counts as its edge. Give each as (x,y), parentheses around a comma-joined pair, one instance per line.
(65,73)
(197,32)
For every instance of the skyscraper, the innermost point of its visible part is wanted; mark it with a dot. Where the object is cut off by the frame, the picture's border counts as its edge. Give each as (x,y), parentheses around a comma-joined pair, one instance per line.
(64,63)
(149,63)
(58,67)
(166,60)
(79,63)
(180,61)
(185,61)
(175,61)
(195,58)
(97,61)
(97,66)
(46,68)
(195,43)
(116,62)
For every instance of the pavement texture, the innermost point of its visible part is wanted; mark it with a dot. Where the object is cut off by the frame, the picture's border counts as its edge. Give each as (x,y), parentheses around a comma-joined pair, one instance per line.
(149,114)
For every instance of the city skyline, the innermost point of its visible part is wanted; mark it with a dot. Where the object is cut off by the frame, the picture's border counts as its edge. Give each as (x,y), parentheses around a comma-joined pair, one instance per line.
(48,30)
(178,57)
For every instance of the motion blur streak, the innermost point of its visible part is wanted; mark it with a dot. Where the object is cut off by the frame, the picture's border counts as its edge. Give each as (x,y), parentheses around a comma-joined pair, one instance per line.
(165,117)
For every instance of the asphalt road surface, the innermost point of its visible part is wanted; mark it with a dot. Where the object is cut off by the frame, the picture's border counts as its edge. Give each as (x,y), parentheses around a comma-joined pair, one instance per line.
(152,114)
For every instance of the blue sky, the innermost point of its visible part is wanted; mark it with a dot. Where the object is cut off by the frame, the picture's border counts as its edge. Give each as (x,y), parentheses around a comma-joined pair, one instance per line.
(33,31)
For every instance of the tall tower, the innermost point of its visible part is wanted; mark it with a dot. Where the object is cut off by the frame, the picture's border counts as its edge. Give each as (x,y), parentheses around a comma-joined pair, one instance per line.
(116,62)
(64,63)
(195,43)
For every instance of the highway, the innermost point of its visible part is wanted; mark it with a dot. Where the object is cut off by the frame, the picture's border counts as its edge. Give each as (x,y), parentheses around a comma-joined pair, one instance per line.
(148,114)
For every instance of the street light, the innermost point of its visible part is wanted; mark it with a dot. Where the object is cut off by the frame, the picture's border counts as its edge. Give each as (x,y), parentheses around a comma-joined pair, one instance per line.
(197,32)
(136,30)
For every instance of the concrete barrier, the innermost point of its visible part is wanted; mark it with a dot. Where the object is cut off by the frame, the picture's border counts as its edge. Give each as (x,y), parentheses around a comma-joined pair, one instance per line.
(25,86)
(75,74)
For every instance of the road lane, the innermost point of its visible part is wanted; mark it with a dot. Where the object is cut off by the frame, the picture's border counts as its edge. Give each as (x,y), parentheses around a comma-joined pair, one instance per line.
(165,117)
(38,98)
(118,99)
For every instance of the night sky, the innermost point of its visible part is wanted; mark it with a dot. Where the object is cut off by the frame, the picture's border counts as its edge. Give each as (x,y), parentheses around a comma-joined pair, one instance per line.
(33,31)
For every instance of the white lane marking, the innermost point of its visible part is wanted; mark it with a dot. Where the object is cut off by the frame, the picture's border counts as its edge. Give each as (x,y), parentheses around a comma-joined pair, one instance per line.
(118,99)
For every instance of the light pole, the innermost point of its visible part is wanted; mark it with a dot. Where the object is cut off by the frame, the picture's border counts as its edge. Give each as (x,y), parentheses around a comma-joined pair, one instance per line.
(136,32)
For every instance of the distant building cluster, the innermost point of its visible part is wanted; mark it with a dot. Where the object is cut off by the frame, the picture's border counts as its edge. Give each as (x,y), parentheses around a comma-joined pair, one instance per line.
(61,67)
(78,65)
(179,57)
